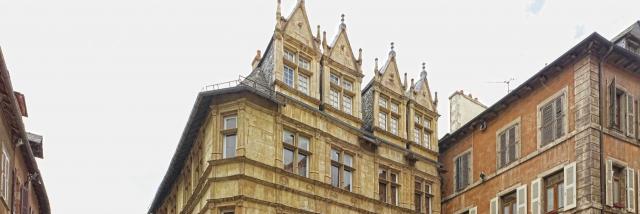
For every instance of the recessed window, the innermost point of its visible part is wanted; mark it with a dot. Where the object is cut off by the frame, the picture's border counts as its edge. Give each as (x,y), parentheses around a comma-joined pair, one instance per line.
(417,119)
(296,153)
(303,63)
(382,120)
(342,169)
(422,196)
(303,84)
(554,192)
(416,135)
(508,144)
(347,104)
(334,99)
(552,120)
(462,171)
(335,79)
(394,107)
(426,141)
(229,136)
(388,183)
(382,102)
(509,205)
(288,75)
(346,84)
(622,110)
(394,126)
(288,55)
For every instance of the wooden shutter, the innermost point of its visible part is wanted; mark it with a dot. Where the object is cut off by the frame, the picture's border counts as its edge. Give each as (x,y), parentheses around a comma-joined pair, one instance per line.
(570,186)
(546,129)
(613,102)
(631,128)
(512,145)
(502,149)
(631,190)
(465,170)
(609,187)
(493,206)
(559,117)
(521,195)
(456,176)
(473,210)
(535,196)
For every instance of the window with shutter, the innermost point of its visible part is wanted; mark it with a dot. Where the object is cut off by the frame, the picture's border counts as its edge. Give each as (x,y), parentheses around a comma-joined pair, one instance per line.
(569,186)
(630,190)
(535,196)
(473,210)
(552,116)
(631,128)
(522,199)
(547,124)
(609,186)
(493,206)
(463,171)
(508,146)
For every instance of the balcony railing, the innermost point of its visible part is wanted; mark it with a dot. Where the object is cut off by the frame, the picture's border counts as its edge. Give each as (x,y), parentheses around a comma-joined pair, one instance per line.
(257,87)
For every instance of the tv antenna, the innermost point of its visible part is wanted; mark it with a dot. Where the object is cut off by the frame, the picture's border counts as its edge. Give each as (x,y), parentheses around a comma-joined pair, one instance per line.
(507,82)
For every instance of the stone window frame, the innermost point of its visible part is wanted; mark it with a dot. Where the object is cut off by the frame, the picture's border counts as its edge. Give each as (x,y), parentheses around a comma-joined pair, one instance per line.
(565,102)
(227,210)
(296,149)
(515,124)
(389,114)
(297,69)
(343,166)
(621,124)
(389,184)
(470,176)
(341,91)
(420,122)
(224,132)
(425,192)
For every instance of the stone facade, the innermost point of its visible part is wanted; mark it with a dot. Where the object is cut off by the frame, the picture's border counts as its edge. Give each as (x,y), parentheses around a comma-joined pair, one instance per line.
(589,158)
(304,137)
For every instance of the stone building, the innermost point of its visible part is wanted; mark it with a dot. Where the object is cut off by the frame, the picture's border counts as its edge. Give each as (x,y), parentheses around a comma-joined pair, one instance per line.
(299,136)
(21,187)
(463,108)
(565,141)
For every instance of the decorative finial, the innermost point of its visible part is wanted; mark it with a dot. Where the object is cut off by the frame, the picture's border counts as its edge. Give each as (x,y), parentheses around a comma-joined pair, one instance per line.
(324,39)
(423,74)
(392,52)
(404,84)
(412,83)
(435,101)
(278,13)
(360,55)
(318,33)
(376,67)
(342,18)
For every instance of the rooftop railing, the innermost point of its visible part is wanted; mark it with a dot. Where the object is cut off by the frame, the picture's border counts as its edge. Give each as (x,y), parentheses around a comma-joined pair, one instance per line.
(257,87)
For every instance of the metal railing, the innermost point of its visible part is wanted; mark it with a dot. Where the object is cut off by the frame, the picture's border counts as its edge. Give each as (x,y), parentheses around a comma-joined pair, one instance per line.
(257,87)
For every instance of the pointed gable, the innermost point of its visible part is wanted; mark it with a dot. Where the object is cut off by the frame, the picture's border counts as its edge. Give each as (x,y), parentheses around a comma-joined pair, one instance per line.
(297,26)
(390,76)
(341,51)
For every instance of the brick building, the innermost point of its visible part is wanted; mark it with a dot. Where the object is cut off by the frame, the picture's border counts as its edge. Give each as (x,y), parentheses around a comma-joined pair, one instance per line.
(21,187)
(565,141)
(299,136)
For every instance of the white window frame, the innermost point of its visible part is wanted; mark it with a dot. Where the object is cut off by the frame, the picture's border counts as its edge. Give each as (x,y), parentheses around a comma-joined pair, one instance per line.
(225,119)
(383,102)
(516,122)
(289,55)
(285,71)
(303,83)
(347,84)
(335,79)
(334,99)
(347,104)
(382,121)
(394,107)
(393,125)
(304,63)
(565,108)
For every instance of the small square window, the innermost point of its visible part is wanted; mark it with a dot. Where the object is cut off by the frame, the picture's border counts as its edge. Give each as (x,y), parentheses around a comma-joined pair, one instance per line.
(394,107)
(335,79)
(348,160)
(230,122)
(303,63)
(287,137)
(346,84)
(382,102)
(288,55)
(303,143)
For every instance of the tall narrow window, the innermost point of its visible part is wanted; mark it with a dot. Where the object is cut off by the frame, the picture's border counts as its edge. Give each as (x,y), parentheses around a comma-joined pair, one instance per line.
(508,145)
(422,196)
(5,180)
(296,153)
(552,116)
(347,104)
(416,135)
(427,140)
(303,84)
(230,133)
(508,202)
(554,192)
(462,171)
(388,183)
(341,169)
(394,126)
(288,76)
(334,99)
(382,120)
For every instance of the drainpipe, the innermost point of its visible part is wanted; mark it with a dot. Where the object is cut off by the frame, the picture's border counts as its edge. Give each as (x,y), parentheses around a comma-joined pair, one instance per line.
(603,172)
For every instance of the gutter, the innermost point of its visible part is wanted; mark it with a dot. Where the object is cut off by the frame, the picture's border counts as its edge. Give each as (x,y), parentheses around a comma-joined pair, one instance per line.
(601,121)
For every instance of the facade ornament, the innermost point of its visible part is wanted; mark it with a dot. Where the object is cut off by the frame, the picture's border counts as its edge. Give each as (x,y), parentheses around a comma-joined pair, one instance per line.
(423,74)
(324,40)
(404,84)
(392,53)
(360,56)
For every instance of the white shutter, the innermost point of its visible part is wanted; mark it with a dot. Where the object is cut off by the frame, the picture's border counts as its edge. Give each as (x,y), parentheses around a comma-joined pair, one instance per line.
(473,210)
(631,128)
(493,206)
(631,190)
(535,196)
(570,186)
(609,187)
(521,199)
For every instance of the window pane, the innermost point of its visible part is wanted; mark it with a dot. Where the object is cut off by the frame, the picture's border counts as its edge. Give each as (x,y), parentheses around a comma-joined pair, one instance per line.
(382,174)
(288,159)
(346,84)
(382,120)
(334,79)
(229,146)
(347,180)
(394,125)
(550,199)
(417,119)
(288,55)
(427,123)
(335,175)
(230,122)
(394,178)
(288,75)
(303,63)
(303,143)
(346,104)
(303,84)
(416,135)
(382,102)
(382,195)
(560,195)
(418,202)
(302,164)
(334,99)
(287,137)
(335,155)
(394,108)
(427,140)
(348,160)
(394,195)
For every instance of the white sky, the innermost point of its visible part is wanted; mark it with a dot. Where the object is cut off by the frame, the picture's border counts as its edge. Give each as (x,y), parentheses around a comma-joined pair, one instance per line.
(110,84)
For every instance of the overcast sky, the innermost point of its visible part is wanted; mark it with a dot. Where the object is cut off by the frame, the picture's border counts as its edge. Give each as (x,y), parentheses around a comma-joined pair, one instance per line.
(110,84)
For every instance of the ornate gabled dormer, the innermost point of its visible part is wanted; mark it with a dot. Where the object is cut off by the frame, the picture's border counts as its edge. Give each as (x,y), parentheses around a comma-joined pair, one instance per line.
(630,38)
(341,78)
(422,113)
(296,56)
(384,102)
